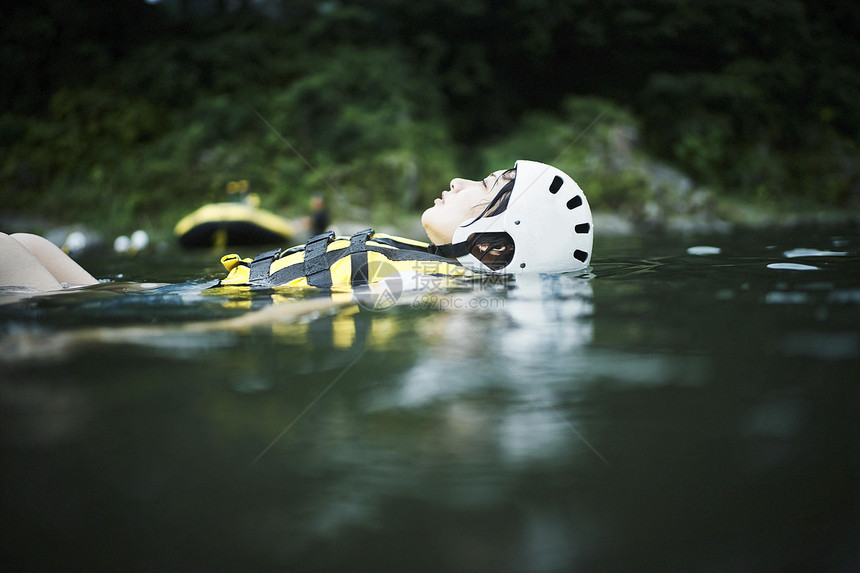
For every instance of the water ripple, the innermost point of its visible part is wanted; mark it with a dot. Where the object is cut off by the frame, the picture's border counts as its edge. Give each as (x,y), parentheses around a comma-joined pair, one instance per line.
(812,253)
(792,267)
(704,250)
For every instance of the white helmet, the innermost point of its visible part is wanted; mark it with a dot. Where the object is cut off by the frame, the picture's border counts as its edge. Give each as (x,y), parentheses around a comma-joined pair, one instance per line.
(542,224)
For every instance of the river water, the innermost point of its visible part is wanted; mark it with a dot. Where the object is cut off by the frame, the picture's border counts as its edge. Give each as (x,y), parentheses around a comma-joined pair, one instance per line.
(691,404)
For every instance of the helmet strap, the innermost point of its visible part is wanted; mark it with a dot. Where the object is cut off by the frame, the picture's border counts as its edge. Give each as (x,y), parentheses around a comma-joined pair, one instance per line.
(450,250)
(493,250)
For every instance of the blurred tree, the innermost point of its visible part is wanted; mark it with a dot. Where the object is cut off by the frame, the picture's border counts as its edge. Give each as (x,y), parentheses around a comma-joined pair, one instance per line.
(48,44)
(155,101)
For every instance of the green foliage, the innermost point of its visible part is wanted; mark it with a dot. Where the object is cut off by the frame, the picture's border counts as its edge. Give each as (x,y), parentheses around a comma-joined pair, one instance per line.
(369,127)
(728,132)
(140,113)
(368,123)
(592,140)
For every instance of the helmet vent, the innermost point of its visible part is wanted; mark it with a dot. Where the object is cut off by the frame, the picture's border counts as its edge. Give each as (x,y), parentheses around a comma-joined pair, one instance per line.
(555,185)
(580,256)
(575,202)
(582,228)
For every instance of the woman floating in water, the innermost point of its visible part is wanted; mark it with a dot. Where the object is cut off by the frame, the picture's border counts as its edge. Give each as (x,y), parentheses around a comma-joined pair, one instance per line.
(531,218)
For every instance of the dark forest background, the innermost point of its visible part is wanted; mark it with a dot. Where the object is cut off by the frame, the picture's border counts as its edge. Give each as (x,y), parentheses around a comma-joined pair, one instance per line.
(123,113)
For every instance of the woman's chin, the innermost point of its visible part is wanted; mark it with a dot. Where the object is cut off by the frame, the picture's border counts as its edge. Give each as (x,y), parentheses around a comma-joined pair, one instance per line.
(426,222)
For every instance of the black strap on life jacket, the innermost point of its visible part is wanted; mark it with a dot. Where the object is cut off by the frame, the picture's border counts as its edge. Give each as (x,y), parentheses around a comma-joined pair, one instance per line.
(358,257)
(419,254)
(316,266)
(259,268)
(318,260)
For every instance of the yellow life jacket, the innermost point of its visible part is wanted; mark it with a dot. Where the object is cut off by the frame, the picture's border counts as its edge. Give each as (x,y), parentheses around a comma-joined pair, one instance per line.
(328,261)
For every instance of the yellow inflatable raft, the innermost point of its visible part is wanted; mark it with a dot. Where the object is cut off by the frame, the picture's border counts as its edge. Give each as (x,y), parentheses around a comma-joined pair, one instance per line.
(233,223)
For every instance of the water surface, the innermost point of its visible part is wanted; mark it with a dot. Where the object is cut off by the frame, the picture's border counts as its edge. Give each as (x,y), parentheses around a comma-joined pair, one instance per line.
(690,404)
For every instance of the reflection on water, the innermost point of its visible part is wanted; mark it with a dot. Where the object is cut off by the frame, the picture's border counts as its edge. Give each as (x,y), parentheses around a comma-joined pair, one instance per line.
(688,405)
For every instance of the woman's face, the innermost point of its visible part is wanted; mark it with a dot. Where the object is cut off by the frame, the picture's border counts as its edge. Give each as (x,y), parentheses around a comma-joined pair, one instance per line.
(463,201)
